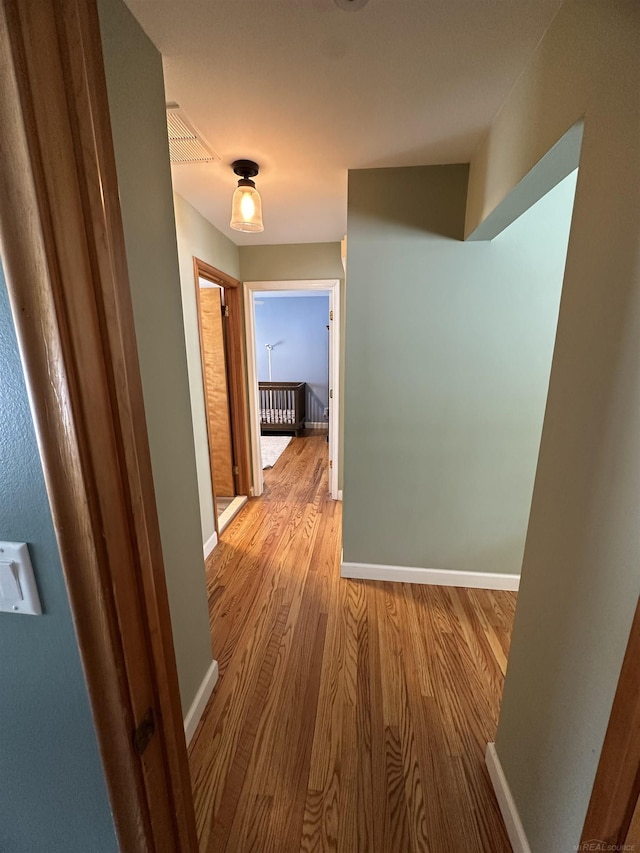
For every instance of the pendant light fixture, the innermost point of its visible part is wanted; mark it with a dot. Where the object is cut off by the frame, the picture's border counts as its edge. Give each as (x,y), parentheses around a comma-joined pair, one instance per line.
(246,205)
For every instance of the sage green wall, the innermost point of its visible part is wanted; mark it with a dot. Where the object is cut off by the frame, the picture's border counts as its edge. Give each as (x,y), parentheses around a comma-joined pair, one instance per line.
(449,348)
(302,261)
(137,107)
(52,791)
(290,261)
(581,575)
(198,238)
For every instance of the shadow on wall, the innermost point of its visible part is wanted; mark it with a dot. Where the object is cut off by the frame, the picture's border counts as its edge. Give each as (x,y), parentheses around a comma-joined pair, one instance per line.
(405,207)
(315,406)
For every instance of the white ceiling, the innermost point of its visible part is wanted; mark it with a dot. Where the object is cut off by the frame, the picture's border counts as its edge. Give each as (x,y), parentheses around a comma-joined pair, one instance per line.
(310,91)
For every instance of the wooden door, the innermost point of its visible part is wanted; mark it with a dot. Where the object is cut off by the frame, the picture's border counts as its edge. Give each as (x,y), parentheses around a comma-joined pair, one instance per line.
(214,365)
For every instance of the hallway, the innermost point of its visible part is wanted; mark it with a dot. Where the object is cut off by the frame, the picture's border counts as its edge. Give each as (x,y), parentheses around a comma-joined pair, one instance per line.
(349,715)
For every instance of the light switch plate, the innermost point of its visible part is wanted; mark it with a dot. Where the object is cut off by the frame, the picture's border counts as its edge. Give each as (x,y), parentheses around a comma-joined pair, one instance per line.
(18,590)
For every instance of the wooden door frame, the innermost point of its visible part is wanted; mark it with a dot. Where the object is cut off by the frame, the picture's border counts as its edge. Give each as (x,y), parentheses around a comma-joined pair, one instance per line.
(616,788)
(63,253)
(332,285)
(236,371)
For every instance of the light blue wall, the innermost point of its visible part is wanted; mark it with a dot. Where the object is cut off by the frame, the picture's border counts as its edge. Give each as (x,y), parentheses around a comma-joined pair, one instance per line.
(297,326)
(52,792)
(449,348)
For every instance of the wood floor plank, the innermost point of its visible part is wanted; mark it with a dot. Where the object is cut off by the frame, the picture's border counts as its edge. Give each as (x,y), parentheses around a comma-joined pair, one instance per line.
(350,715)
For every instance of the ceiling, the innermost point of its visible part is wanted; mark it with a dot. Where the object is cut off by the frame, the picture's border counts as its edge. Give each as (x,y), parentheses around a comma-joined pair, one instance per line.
(309,91)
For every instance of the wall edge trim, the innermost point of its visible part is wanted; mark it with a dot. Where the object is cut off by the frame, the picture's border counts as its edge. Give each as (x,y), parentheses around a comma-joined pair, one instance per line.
(506,803)
(195,712)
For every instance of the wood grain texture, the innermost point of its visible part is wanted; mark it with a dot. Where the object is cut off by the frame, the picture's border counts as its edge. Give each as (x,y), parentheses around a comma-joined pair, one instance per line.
(64,255)
(349,715)
(236,368)
(616,788)
(214,366)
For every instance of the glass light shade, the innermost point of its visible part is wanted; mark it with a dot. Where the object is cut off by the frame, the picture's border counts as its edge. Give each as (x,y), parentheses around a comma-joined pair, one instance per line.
(246,209)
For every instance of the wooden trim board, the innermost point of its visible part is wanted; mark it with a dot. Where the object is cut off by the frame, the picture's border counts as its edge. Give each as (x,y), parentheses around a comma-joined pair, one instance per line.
(64,257)
(616,788)
(507,804)
(435,577)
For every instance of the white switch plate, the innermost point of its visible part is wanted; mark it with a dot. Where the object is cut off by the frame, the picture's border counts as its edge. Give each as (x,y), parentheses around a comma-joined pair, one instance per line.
(18,590)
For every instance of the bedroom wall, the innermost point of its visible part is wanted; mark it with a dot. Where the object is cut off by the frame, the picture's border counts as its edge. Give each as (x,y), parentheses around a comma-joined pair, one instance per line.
(52,791)
(298,327)
(198,238)
(449,348)
(580,579)
(138,117)
(302,261)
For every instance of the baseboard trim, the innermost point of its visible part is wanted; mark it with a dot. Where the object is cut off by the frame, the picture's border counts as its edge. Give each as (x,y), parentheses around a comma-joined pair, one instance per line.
(507,805)
(210,544)
(434,577)
(339,494)
(316,425)
(195,712)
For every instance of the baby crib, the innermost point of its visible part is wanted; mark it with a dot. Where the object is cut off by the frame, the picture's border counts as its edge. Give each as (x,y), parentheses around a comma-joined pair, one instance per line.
(282,406)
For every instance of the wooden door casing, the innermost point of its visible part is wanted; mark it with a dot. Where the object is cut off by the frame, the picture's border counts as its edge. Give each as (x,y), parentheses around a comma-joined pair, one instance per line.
(616,788)
(64,257)
(236,371)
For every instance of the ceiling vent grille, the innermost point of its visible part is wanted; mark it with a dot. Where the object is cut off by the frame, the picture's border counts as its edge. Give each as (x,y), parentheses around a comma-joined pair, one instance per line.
(185,143)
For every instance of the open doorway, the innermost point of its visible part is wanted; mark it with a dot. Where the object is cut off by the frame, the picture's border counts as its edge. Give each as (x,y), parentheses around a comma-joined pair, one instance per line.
(220,332)
(292,364)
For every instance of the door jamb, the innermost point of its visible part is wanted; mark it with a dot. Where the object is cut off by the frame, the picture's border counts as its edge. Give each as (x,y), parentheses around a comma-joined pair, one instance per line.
(616,787)
(236,371)
(63,253)
(250,289)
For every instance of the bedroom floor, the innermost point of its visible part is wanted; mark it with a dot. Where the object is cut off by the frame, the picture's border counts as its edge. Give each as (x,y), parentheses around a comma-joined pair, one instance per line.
(349,715)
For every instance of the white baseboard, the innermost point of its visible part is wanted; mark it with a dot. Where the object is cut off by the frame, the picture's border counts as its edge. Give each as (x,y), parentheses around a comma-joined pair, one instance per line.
(508,808)
(194,714)
(339,494)
(435,577)
(316,425)
(210,544)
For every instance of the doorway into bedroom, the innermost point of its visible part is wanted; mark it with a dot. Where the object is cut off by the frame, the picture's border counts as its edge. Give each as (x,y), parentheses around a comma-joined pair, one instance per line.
(220,329)
(292,336)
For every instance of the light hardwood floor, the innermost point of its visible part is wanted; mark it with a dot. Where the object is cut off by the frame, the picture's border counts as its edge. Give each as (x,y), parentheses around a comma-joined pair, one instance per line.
(349,715)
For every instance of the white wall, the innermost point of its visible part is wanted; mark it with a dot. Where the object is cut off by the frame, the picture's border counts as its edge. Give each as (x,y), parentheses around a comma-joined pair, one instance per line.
(197,237)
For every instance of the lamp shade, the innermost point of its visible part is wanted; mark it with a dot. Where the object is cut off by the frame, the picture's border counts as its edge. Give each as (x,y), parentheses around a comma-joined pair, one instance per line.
(246,208)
